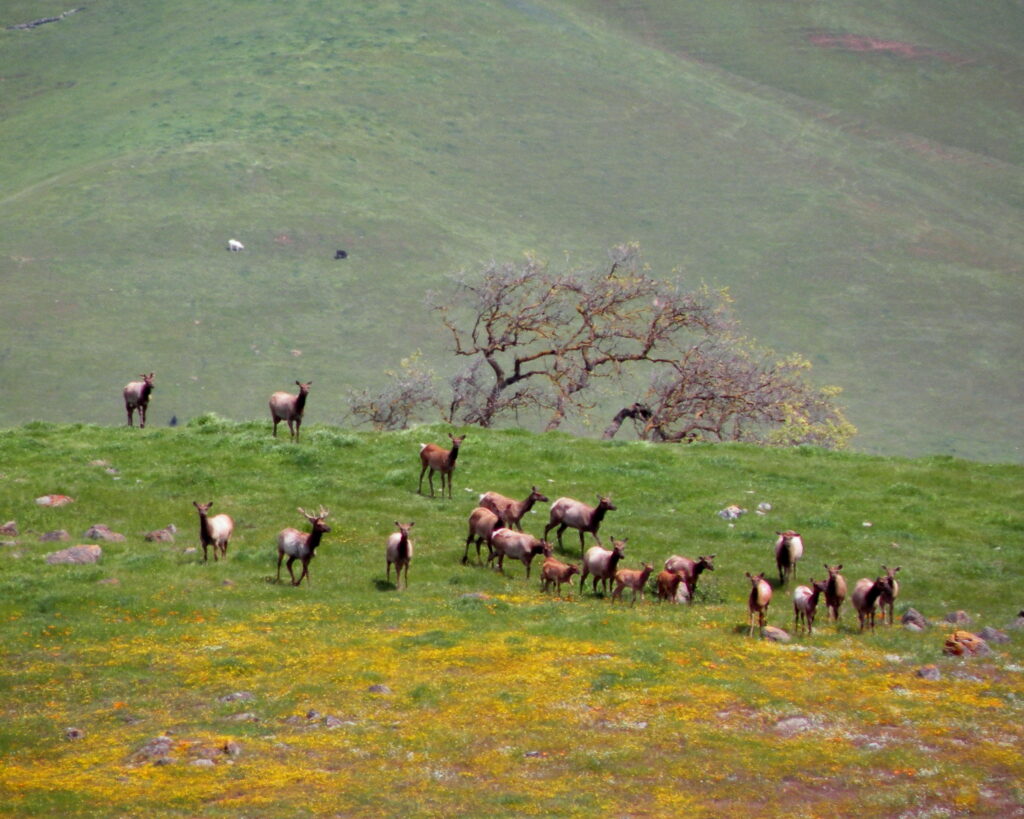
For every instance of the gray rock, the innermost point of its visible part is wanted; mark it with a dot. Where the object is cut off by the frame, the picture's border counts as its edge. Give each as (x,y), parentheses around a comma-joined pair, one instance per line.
(244,716)
(776,635)
(379,689)
(960,618)
(165,535)
(913,627)
(99,531)
(55,535)
(157,751)
(993,635)
(929,672)
(202,762)
(238,696)
(232,748)
(914,617)
(793,725)
(76,554)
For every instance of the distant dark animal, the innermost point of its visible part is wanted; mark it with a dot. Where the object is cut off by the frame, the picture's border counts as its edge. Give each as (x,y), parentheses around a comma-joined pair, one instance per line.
(136,397)
(340,254)
(287,407)
(437,459)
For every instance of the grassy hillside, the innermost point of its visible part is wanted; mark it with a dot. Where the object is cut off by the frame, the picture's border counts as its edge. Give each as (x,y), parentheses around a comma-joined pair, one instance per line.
(496,699)
(876,232)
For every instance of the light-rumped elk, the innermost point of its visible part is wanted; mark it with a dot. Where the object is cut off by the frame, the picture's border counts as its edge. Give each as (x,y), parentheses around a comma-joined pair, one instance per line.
(215,531)
(889,594)
(672,586)
(515,545)
(805,604)
(759,600)
(566,512)
(482,522)
(136,397)
(601,564)
(399,552)
(509,510)
(557,572)
(234,245)
(289,408)
(789,548)
(866,593)
(691,570)
(437,459)
(301,546)
(636,579)
(835,590)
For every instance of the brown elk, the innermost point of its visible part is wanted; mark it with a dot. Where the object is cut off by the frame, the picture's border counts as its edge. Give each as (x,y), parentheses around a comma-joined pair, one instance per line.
(509,510)
(636,579)
(136,397)
(482,522)
(566,512)
(399,552)
(301,545)
(866,594)
(889,594)
(760,598)
(215,531)
(289,408)
(437,459)
(835,590)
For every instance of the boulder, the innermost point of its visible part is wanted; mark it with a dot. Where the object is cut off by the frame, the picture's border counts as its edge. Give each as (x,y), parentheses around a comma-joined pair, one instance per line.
(9,528)
(100,531)
(965,644)
(993,635)
(89,553)
(57,534)
(776,635)
(912,617)
(54,500)
(959,618)
(929,672)
(165,535)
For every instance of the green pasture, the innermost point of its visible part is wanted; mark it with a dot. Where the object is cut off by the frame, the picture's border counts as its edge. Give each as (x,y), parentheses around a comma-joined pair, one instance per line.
(471,692)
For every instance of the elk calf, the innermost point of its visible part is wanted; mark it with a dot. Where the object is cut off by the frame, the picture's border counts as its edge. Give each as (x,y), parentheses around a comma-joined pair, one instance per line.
(789,548)
(287,407)
(215,531)
(835,590)
(636,579)
(301,545)
(440,460)
(566,512)
(557,572)
(399,552)
(511,511)
(669,584)
(136,397)
(757,603)
(805,604)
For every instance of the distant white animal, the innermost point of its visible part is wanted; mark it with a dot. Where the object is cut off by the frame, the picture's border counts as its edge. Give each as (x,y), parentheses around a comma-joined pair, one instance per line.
(234,244)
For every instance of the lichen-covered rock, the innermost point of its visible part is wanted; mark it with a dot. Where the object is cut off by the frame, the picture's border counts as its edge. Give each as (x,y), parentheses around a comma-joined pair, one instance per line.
(54,500)
(964,643)
(87,553)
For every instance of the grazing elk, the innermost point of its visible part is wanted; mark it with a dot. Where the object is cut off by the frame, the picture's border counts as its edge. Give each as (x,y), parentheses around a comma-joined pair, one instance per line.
(516,545)
(287,407)
(557,572)
(509,510)
(566,512)
(690,569)
(889,594)
(805,604)
(234,245)
(482,522)
(866,593)
(759,600)
(437,459)
(215,531)
(835,590)
(601,564)
(399,552)
(136,397)
(789,548)
(301,545)
(636,579)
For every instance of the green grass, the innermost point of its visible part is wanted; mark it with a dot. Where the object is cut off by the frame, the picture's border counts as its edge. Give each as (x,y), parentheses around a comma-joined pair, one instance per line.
(502,701)
(862,208)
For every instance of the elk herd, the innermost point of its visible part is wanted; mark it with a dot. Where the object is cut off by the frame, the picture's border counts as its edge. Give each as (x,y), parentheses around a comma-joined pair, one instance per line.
(497,523)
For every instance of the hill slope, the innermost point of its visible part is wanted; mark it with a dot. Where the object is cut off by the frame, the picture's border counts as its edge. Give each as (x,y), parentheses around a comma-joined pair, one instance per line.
(864,235)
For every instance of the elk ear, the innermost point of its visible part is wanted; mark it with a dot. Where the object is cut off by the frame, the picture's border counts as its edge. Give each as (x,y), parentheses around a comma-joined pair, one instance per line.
(412,523)
(839,568)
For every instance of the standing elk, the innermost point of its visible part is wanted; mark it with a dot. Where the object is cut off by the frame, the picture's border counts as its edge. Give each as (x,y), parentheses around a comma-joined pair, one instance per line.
(636,579)
(805,604)
(287,407)
(301,545)
(566,512)
(516,545)
(835,590)
(437,459)
(215,531)
(557,572)
(889,594)
(672,586)
(509,510)
(482,522)
(759,600)
(690,569)
(136,397)
(601,564)
(789,548)
(399,552)
(866,593)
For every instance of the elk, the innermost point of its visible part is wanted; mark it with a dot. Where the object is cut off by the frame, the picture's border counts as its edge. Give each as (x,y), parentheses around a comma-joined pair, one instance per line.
(866,593)
(136,397)
(215,531)
(482,522)
(669,585)
(234,245)
(511,511)
(566,512)
(805,603)
(557,572)
(889,594)
(835,590)
(760,598)
(440,460)
(301,545)
(399,552)
(636,579)
(287,407)
(690,569)
(601,563)
(516,545)
(789,548)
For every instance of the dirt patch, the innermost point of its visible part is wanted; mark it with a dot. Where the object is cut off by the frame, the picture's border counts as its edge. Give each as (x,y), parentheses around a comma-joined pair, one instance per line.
(873,45)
